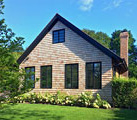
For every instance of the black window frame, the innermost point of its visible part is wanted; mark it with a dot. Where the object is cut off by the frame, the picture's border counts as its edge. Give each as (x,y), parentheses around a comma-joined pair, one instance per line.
(71,76)
(34,73)
(41,77)
(58,36)
(93,75)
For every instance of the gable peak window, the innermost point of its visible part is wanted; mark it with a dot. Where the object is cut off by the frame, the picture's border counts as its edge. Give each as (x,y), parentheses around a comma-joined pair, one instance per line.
(59,36)
(93,75)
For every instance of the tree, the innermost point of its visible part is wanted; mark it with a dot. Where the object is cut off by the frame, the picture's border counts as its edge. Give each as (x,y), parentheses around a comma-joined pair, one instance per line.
(132,50)
(101,37)
(13,81)
(113,43)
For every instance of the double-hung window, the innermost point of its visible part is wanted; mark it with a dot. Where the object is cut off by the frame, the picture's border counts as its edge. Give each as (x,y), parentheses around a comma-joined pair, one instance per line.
(59,36)
(71,76)
(31,74)
(93,75)
(46,77)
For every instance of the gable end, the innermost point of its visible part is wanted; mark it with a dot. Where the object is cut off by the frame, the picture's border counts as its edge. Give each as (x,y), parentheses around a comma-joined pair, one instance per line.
(56,18)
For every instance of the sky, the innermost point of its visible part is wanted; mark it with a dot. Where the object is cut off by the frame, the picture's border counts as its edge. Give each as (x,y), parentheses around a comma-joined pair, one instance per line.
(27,18)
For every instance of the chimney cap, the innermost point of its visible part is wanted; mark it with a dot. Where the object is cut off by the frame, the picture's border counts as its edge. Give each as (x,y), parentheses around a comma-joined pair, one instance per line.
(124,34)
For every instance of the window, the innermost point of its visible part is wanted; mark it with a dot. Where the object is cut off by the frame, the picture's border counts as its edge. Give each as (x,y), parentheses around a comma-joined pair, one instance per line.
(59,36)
(71,76)
(31,74)
(46,77)
(93,75)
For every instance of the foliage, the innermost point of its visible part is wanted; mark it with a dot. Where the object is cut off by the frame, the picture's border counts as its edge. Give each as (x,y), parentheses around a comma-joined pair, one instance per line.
(70,100)
(124,92)
(101,37)
(1,7)
(13,81)
(57,98)
(99,103)
(134,97)
(84,99)
(132,50)
(113,43)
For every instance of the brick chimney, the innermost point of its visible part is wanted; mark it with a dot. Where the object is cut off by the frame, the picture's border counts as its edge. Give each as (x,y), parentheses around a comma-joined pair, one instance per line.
(124,36)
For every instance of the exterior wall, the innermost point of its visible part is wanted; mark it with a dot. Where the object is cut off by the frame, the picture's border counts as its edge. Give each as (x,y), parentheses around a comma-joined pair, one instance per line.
(74,50)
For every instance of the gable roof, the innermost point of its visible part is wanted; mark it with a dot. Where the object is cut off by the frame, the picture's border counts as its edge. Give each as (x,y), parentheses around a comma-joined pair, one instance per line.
(54,20)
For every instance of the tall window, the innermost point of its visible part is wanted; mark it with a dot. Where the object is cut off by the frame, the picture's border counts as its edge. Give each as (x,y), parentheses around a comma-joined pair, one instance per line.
(71,76)
(46,77)
(93,75)
(31,74)
(59,36)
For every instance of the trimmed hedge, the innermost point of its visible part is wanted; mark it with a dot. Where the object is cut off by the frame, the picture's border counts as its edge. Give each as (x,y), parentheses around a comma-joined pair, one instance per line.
(124,92)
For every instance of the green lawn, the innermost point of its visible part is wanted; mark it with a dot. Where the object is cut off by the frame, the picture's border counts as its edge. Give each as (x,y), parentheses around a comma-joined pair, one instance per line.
(54,112)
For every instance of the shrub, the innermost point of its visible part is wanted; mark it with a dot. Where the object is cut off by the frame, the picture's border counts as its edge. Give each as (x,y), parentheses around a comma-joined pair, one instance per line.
(123,92)
(70,100)
(99,103)
(57,98)
(46,98)
(84,99)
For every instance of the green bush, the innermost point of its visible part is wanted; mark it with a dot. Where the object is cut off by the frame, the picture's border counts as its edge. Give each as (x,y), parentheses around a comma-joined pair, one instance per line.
(84,99)
(134,97)
(46,98)
(99,103)
(70,100)
(123,92)
(58,98)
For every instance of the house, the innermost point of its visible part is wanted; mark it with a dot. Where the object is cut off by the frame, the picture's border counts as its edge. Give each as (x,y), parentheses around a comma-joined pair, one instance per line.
(67,59)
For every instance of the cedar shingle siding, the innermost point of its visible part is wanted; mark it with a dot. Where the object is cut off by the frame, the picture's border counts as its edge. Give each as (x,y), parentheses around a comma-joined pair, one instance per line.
(74,50)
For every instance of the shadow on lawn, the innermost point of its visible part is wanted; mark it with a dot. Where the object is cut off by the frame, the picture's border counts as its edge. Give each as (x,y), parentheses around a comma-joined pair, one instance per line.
(124,114)
(14,114)
(9,113)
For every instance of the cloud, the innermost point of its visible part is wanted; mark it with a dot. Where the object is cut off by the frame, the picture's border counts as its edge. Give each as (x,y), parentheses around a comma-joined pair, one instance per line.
(113,4)
(117,3)
(86,5)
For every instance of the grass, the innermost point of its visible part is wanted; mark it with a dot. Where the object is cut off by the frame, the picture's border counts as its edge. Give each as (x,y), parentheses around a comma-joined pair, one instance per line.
(54,112)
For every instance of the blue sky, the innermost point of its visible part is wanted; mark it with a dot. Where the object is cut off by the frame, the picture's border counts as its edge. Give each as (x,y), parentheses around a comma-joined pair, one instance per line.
(28,17)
